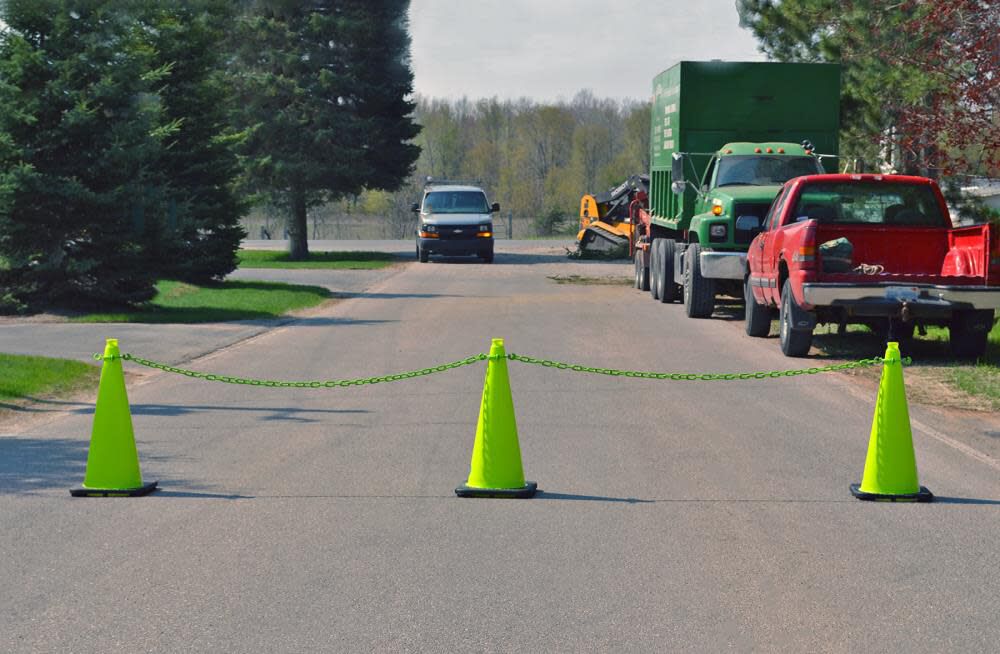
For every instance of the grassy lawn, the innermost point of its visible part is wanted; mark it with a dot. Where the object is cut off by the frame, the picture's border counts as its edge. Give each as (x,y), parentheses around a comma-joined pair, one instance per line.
(331,260)
(177,302)
(37,377)
(944,380)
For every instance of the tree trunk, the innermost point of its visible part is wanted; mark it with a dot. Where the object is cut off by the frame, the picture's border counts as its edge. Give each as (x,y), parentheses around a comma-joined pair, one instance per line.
(298,227)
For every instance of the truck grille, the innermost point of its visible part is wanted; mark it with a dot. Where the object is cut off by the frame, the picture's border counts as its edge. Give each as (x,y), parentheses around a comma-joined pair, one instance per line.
(448,232)
(748,209)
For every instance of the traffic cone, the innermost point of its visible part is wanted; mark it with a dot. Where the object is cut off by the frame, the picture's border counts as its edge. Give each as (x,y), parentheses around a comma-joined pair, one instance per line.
(891,467)
(112,461)
(496,456)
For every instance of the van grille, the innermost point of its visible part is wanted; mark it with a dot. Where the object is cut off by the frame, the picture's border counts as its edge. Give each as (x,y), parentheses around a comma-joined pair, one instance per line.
(447,232)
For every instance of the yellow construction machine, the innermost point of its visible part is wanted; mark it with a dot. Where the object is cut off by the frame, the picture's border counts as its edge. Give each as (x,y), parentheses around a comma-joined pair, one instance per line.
(607,220)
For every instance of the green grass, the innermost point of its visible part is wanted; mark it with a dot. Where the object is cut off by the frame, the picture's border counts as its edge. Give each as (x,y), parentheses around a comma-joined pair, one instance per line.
(177,302)
(30,377)
(325,260)
(930,353)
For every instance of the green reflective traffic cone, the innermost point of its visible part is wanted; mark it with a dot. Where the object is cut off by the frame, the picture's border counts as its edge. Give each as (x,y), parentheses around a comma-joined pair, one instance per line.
(891,467)
(496,456)
(112,461)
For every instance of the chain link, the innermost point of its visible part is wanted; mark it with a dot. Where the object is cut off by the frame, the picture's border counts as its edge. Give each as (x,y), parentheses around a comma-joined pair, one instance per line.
(679,376)
(612,372)
(334,383)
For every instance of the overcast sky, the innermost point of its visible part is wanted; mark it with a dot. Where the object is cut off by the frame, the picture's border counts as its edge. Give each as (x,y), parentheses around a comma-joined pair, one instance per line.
(550,49)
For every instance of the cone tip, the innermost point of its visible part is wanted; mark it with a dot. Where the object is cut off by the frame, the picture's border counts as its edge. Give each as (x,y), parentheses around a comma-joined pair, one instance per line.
(892,351)
(113,342)
(497,342)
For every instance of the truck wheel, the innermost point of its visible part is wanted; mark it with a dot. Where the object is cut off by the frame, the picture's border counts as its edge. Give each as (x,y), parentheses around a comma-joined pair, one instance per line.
(654,268)
(758,317)
(699,292)
(794,342)
(969,331)
(668,287)
(422,254)
(642,271)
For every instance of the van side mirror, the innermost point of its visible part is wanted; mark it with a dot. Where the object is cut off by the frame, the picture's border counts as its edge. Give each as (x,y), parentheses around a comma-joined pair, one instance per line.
(415,208)
(748,224)
(495,208)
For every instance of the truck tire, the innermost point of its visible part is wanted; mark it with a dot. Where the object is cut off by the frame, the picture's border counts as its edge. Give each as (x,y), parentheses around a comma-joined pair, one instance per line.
(641,272)
(758,316)
(668,287)
(422,254)
(699,292)
(969,332)
(794,342)
(654,277)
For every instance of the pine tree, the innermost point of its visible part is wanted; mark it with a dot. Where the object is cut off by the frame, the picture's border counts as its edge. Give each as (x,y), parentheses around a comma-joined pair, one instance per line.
(323,86)
(79,132)
(198,233)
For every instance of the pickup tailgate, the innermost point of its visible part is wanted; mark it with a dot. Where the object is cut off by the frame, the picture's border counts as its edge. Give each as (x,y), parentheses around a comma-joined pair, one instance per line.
(928,265)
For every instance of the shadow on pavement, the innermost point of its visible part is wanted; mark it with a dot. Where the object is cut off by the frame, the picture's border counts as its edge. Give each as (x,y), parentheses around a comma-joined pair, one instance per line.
(545,495)
(390,296)
(938,499)
(33,464)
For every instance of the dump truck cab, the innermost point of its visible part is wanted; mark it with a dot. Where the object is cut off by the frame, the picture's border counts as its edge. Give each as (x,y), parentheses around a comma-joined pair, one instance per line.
(724,137)
(741,179)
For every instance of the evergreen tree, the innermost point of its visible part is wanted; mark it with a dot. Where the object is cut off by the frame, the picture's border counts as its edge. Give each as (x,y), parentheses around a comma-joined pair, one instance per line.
(79,132)
(323,86)
(199,232)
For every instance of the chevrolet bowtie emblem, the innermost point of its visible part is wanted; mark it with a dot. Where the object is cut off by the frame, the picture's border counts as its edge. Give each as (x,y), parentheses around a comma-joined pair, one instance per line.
(457,231)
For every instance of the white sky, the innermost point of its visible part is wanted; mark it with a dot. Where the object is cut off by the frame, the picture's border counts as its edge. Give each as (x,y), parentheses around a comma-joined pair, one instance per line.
(550,49)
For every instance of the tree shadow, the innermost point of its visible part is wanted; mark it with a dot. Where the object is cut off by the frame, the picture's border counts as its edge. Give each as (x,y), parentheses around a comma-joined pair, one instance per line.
(33,464)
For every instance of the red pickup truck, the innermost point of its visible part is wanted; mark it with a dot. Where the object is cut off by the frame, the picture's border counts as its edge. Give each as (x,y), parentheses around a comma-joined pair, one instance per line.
(872,249)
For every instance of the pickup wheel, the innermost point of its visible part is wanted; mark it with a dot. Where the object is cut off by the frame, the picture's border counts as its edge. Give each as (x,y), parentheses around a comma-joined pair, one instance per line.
(654,268)
(794,342)
(699,292)
(969,331)
(757,318)
(668,287)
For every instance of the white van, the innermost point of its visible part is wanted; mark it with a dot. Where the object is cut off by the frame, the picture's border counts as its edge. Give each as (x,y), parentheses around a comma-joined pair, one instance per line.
(455,219)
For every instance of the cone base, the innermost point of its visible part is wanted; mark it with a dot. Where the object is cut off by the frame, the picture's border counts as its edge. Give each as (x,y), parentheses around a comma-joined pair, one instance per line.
(923,495)
(83,491)
(526,491)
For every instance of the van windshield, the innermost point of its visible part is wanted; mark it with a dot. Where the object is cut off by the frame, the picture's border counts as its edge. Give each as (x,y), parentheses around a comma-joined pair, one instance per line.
(764,170)
(455,202)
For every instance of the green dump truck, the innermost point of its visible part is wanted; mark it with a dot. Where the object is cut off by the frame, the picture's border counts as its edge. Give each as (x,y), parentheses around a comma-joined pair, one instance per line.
(724,137)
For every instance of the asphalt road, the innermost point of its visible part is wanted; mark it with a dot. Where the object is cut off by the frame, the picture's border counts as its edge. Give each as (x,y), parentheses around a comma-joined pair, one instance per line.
(675,516)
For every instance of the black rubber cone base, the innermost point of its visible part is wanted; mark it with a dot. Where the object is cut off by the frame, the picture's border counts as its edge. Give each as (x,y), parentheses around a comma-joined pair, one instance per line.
(83,491)
(528,490)
(923,495)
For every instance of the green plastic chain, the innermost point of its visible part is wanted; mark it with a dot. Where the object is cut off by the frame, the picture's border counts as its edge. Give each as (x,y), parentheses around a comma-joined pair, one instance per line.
(672,376)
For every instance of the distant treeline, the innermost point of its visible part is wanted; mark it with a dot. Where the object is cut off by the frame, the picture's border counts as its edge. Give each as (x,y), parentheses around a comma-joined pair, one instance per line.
(536,159)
